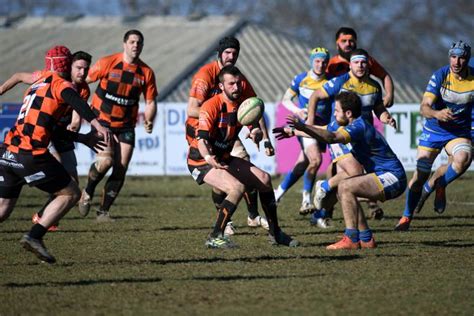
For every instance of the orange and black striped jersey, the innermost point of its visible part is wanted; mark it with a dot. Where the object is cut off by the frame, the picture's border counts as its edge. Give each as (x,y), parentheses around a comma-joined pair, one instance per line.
(338,66)
(218,124)
(43,106)
(204,85)
(115,102)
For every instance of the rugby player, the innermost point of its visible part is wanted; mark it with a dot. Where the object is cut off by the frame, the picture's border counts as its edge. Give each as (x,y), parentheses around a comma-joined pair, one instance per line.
(122,78)
(447,106)
(210,160)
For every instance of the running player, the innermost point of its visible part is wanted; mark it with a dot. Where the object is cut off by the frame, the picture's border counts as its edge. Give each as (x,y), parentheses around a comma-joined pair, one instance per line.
(122,78)
(447,106)
(384,179)
(210,160)
(25,157)
(61,149)
(205,84)
(356,80)
(309,159)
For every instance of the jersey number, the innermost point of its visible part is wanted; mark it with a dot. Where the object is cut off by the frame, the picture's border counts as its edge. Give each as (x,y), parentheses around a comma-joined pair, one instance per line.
(27,102)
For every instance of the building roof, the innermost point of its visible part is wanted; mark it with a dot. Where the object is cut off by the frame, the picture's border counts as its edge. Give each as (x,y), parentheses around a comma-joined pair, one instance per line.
(175,47)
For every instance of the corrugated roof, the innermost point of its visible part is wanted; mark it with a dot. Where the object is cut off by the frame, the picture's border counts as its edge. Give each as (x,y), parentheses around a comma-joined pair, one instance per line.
(175,47)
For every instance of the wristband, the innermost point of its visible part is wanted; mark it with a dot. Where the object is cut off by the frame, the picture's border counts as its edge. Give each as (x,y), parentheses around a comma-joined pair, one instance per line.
(207,158)
(267,143)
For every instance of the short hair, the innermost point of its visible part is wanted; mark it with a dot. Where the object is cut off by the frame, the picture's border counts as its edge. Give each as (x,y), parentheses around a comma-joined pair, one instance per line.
(350,101)
(360,51)
(133,32)
(347,31)
(229,70)
(80,55)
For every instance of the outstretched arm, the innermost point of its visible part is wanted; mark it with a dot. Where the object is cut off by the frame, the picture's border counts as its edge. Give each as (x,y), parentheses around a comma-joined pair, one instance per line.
(25,77)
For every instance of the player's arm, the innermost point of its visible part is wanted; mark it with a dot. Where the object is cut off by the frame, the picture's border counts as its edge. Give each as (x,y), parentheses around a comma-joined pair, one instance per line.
(389,91)
(316,96)
(150,114)
(205,149)
(267,144)
(288,103)
(383,115)
(71,97)
(75,124)
(16,78)
(194,105)
(427,111)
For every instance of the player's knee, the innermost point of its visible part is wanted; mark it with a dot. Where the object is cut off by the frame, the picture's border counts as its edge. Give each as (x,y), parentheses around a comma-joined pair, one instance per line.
(314,163)
(266,180)
(344,187)
(462,156)
(104,161)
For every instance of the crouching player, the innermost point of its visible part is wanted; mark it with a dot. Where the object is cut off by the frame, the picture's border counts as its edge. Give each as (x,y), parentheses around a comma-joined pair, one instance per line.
(210,162)
(385,178)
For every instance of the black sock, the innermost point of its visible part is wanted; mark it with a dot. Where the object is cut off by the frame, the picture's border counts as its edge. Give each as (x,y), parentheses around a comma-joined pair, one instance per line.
(51,197)
(267,199)
(111,190)
(223,216)
(93,179)
(218,198)
(251,198)
(37,231)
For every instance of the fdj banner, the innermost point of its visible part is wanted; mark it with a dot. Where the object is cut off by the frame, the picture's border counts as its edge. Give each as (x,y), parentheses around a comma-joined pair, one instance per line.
(8,116)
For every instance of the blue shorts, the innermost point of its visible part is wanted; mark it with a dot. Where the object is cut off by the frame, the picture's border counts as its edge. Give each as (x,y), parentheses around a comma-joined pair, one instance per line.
(391,183)
(339,151)
(432,141)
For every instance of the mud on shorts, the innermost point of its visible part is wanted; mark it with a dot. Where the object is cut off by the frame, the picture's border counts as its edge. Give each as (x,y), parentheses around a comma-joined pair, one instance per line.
(42,171)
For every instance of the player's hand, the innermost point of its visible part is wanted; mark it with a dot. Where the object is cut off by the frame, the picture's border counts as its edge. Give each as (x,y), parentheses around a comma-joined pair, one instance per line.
(148,126)
(256,135)
(214,163)
(269,150)
(93,140)
(387,119)
(295,123)
(444,115)
(102,130)
(283,132)
(302,114)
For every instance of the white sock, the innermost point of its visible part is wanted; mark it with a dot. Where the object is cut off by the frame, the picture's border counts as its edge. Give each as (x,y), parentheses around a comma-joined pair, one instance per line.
(306,197)
(279,193)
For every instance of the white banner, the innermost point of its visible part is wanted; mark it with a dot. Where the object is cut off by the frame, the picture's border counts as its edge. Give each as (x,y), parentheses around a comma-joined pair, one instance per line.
(164,151)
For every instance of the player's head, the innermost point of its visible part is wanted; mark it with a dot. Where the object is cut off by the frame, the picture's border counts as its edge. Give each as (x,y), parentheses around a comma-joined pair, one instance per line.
(81,62)
(318,59)
(348,106)
(133,41)
(228,50)
(230,82)
(58,59)
(459,55)
(359,62)
(346,41)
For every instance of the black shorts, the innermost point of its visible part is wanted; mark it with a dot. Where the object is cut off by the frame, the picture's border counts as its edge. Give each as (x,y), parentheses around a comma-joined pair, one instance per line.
(199,172)
(124,136)
(42,171)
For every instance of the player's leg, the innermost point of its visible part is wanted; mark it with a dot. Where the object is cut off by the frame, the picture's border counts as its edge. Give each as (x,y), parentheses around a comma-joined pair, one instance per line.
(123,155)
(251,195)
(460,150)
(97,171)
(313,154)
(424,161)
(253,176)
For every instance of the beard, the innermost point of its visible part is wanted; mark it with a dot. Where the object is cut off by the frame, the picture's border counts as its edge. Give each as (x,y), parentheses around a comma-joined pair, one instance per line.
(346,56)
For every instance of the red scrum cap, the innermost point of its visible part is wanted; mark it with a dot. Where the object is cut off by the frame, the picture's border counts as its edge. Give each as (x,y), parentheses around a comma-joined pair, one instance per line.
(58,59)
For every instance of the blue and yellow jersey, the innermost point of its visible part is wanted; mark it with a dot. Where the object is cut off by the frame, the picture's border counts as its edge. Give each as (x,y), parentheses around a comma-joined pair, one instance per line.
(303,85)
(370,148)
(447,91)
(368,90)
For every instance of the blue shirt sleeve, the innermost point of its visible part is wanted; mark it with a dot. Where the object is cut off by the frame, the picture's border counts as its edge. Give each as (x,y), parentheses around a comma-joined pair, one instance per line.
(295,83)
(333,86)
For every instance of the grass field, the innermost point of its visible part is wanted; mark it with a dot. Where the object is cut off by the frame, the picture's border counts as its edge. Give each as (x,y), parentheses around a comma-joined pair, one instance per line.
(152,260)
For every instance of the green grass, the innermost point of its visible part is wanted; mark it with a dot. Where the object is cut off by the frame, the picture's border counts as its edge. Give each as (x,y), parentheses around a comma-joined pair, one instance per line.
(153,260)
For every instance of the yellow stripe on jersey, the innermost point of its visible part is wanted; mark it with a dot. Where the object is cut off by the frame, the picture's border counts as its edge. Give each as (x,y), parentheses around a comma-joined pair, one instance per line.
(345,134)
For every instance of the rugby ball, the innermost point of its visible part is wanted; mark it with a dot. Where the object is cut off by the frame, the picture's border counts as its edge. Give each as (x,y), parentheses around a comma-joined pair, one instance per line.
(250,111)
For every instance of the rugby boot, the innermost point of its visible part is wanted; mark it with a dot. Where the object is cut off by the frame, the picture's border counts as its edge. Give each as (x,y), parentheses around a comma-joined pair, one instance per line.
(440,200)
(85,203)
(258,221)
(424,196)
(368,244)
(281,238)
(223,242)
(404,224)
(37,247)
(344,243)
(319,195)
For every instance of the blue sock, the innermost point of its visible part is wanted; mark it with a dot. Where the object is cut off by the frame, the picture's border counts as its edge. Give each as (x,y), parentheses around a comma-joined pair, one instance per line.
(448,177)
(289,180)
(320,214)
(411,201)
(427,187)
(352,233)
(365,235)
(308,181)
(325,185)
